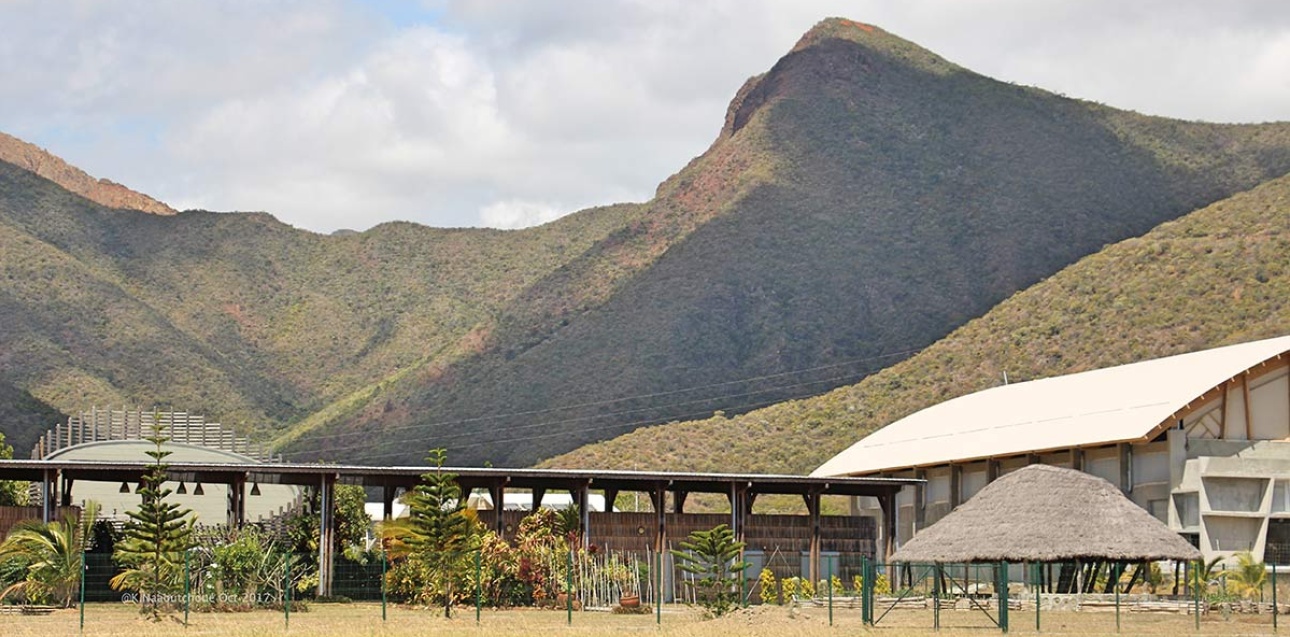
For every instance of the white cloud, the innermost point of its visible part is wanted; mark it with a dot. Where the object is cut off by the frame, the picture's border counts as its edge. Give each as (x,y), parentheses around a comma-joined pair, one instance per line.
(340,113)
(513,213)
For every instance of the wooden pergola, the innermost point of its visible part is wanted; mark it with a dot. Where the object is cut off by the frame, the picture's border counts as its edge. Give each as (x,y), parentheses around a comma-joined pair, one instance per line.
(58,478)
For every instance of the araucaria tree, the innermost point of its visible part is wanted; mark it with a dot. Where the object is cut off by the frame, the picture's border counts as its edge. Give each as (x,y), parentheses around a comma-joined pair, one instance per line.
(439,531)
(713,558)
(156,535)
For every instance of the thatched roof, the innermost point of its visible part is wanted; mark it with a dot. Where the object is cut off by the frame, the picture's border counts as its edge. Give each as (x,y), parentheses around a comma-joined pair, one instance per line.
(1046,514)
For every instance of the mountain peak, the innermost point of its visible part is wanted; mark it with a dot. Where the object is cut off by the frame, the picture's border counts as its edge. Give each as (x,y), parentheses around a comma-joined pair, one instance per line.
(43,163)
(875,39)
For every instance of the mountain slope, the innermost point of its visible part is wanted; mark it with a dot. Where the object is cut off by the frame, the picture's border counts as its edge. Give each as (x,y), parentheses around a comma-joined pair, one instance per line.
(236,316)
(1215,277)
(864,198)
(41,162)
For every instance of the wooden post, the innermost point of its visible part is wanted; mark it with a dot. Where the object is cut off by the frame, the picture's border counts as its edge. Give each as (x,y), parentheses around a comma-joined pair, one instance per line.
(326,532)
(584,513)
(813,512)
(1245,390)
(497,491)
(387,502)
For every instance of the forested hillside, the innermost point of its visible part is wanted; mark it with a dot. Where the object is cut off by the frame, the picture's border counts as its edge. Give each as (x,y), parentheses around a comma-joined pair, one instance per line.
(1215,277)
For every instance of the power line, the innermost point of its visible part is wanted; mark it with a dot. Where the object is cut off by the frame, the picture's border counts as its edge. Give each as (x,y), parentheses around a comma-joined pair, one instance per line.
(612,426)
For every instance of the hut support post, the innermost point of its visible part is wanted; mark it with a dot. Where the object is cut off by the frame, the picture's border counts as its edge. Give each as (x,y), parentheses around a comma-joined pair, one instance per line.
(1275,610)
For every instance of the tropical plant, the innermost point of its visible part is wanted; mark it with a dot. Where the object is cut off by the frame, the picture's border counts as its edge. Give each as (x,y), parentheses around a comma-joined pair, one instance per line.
(769,588)
(440,531)
(713,557)
(49,556)
(1202,576)
(12,492)
(1249,576)
(157,535)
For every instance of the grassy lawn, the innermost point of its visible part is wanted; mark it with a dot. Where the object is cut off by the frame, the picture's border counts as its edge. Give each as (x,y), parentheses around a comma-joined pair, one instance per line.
(365,619)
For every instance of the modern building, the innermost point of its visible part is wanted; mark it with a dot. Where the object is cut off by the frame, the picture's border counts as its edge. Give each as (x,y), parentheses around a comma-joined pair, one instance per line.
(120,435)
(1200,440)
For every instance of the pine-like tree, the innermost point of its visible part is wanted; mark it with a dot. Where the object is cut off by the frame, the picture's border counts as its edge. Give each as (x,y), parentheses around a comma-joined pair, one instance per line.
(439,531)
(713,557)
(156,536)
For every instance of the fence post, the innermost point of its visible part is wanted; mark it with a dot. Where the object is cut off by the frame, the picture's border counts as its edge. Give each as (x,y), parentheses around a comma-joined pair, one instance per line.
(85,568)
(1003,596)
(187,587)
(1118,570)
(1275,610)
(286,594)
(830,592)
(479,583)
(383,578)
(936,597)
(1196,591)
(658,591)
(1039,587)
(866,591)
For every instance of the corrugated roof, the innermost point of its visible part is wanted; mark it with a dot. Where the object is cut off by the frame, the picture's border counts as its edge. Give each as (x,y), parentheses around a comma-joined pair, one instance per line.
(1115,404)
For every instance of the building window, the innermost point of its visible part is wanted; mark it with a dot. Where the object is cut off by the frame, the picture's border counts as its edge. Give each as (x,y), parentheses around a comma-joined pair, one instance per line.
(1188,505)
(1281,497)
(1160,509)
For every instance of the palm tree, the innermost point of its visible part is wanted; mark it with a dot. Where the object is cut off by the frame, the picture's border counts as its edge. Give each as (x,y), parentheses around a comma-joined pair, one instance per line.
(51,555)
(1249,576)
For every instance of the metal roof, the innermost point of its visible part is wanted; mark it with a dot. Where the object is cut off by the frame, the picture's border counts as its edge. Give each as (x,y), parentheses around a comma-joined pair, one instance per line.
(468,477)
(1127,403)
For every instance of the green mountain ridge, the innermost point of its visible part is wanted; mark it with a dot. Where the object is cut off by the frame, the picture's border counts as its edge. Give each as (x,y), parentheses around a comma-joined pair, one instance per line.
(882,197)
(1215,277)
(863,199)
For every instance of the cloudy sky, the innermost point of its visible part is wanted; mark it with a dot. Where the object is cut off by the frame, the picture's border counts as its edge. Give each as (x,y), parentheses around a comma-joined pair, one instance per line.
(348,113)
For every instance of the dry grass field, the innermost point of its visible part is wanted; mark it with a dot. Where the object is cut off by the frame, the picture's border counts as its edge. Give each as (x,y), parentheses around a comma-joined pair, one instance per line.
(365,619)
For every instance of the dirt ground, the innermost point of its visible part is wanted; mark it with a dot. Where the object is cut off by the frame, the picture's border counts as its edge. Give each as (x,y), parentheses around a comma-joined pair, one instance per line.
(777,621)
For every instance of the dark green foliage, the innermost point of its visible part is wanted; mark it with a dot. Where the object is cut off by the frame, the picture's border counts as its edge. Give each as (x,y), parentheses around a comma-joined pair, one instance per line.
(352,523)
(440,531)
(156,536)
(713,558)
(12,492)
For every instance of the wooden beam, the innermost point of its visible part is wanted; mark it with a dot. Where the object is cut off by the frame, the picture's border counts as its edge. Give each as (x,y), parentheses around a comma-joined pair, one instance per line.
(1245,392)
(678,501)
(1222,416)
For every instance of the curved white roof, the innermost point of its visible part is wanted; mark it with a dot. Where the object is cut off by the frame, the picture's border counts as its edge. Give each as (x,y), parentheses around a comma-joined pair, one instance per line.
(1116,404)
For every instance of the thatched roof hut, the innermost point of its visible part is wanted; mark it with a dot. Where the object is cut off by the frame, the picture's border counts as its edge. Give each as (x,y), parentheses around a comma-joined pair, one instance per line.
(1047,514)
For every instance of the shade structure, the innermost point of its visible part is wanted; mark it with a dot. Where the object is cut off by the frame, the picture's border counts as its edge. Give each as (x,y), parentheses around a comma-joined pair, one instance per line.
(1047,514)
